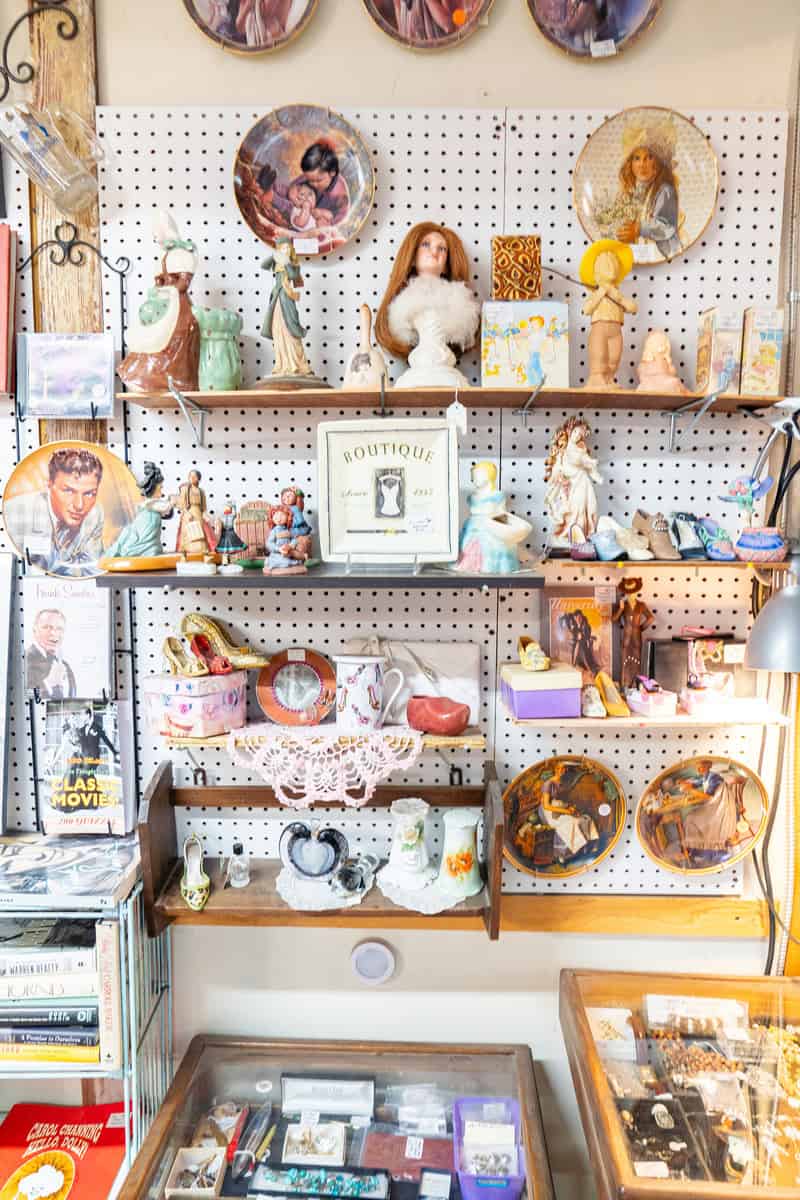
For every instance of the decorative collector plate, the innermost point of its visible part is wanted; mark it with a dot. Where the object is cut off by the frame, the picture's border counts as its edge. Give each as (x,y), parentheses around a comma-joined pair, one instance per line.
(428,24)
(562,816)
(588,30)
(297,688)
(251,26)
(702,815)
(647,177)
(65,503)
(302,172)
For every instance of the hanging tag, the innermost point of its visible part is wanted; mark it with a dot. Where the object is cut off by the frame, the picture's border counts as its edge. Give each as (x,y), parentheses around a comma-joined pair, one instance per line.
(606,48)
(457,415)
(306,245)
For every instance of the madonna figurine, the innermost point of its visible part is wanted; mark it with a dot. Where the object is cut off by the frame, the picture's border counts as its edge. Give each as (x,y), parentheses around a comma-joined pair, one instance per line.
(282,322)
(490,538)
(195,535)
(570,473)
(138,545)
(164,343)
(286,551)
(428,308)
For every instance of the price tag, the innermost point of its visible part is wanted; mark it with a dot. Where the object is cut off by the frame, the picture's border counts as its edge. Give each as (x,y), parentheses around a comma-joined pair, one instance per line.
(306,245)
(494,1111)
(435,1185)
(457,415)
(295,656)
(309,1119)
(651,1170)
(606,48)
(414,1147)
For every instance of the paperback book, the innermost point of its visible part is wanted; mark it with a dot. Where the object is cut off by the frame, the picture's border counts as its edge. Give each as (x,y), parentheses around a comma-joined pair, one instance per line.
(65,375)
(66,872)
(67,632)
(49,1150)
(85,788)
(44,1013)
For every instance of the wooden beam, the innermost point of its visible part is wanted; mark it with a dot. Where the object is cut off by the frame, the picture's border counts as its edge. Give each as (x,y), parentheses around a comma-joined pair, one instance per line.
(682,917)
(66,299)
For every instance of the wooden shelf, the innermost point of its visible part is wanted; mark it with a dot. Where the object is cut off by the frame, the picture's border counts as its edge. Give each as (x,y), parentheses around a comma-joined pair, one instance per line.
(633,722)
(662,564)
(326,575)
(471,739)
(471,397)
(634,915)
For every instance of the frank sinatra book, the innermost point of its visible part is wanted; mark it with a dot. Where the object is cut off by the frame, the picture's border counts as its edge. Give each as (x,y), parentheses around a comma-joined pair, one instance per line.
(86,789)
(67,635)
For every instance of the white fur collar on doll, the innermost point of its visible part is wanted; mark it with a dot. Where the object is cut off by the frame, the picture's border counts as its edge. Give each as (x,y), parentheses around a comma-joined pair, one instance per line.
(457,310)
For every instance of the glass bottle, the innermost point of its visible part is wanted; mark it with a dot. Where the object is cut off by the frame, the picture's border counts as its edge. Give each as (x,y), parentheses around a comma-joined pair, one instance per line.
(239,867)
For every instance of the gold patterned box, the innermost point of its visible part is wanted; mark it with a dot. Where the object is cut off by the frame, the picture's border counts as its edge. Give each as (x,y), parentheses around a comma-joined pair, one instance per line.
(517,267)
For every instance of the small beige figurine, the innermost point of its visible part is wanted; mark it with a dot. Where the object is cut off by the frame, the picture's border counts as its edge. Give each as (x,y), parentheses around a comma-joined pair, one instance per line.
(604,265)
(282,322)
(367,366)
(656,370)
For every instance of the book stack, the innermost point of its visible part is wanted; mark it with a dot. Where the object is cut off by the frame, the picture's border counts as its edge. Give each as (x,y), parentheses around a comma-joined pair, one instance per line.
(60,992)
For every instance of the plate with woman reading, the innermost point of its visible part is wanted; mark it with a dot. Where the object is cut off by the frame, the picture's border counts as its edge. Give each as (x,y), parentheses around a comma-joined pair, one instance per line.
(647,177)
(304,173)
(562,816)
(702,815)
(251,26)
(428,24)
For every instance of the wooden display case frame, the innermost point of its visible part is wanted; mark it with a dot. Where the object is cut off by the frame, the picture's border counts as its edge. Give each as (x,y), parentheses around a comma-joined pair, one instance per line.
(609,1154)
(139,1182)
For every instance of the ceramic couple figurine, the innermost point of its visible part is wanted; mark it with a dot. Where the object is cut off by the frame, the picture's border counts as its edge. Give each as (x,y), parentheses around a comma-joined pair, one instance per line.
(603,267)
(428,308)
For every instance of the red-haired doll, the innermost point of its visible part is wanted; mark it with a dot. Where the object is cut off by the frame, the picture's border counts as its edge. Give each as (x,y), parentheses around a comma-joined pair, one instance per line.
(286,553)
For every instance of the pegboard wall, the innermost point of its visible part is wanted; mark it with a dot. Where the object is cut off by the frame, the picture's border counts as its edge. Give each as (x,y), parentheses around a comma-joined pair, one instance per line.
(481,172)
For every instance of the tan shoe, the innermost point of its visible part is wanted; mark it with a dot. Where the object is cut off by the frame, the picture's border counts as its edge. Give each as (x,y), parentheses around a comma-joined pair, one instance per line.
(656,530)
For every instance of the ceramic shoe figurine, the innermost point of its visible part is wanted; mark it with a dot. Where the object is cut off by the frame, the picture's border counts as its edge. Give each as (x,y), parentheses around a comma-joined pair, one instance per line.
(179,662)
(686,534)
(634,544)
(531,655)
(606,544)
(610,694)
(765,544)
(591,702)
(656,530)
(717,541)
(241,658)
(195,884)
(202,649)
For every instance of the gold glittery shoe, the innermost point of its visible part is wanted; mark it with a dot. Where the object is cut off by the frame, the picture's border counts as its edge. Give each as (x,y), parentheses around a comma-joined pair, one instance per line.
(241,658)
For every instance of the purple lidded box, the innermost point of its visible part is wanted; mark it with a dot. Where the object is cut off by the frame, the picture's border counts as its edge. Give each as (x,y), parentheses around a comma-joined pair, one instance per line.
(533,695)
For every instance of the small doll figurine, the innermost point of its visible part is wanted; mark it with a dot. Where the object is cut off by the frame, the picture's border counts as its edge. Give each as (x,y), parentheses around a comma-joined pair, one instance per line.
(142,537)
(571,473)
(164,344)
(656,370)
(491,535)
(195,535)
(282,321)
(428,308)
(604,265)
(286,552)
(634,617)
(229,541)
(294,499)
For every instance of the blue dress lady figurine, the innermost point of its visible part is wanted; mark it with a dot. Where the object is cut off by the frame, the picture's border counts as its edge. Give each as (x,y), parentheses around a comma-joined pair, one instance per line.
(282,321)
(142,537)
(490,538)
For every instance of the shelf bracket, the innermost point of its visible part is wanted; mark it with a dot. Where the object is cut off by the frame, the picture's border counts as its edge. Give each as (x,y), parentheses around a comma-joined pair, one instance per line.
(190,410)
(525,411)
(702,403)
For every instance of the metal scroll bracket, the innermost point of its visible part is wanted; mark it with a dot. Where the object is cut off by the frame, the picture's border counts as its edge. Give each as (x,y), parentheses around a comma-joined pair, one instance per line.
(67,29)
(383,411)
(525,411)
(190,411)
(702,404)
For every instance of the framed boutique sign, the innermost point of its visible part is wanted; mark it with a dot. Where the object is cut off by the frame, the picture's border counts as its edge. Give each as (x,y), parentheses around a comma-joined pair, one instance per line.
(388,491)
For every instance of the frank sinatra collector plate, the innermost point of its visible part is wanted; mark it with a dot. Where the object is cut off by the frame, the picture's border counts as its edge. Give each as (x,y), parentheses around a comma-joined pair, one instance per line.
(702,815)
(297,688)
(562,816)
(428,24)
(251,26)
(303,173)
(647,177)
(588,29)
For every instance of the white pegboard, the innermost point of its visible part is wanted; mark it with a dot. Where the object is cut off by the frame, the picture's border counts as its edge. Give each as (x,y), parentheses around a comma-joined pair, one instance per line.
(481,172)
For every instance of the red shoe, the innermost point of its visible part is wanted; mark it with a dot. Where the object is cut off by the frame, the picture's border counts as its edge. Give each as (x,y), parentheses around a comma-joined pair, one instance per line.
(201,648)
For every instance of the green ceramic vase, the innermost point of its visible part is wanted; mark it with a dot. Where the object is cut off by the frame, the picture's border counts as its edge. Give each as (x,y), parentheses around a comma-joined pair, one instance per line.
(220,365)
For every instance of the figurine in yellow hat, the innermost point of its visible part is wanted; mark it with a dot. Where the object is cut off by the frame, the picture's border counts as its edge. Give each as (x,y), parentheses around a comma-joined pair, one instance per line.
(604,265)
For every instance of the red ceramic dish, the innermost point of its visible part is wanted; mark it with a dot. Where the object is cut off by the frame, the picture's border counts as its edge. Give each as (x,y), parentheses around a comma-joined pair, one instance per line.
(437,714)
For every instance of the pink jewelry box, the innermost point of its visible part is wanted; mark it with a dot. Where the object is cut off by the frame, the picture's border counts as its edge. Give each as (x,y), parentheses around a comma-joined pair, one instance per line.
(535,694)
(652,704)
(179,706)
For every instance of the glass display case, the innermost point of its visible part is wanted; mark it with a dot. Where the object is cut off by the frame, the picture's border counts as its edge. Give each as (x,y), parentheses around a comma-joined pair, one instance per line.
(688,1086)
(369,1120)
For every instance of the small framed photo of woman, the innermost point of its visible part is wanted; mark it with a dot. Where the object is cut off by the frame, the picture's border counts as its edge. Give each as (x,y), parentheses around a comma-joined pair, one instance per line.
(577,629)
